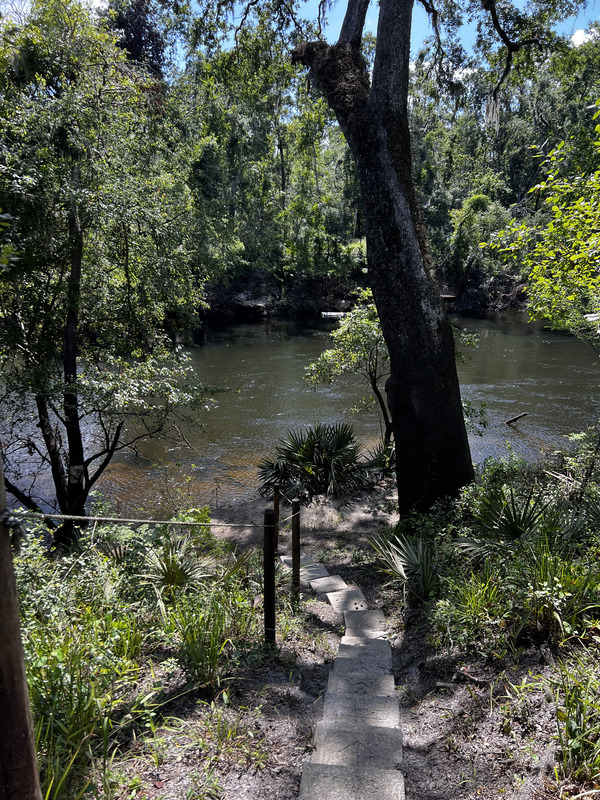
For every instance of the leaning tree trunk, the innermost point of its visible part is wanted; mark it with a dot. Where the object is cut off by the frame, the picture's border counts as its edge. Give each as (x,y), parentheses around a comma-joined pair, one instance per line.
(19,778)
(433,457)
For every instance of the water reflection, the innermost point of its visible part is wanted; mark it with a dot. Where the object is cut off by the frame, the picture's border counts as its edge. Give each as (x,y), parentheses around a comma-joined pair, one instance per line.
(516,367)
(520,367)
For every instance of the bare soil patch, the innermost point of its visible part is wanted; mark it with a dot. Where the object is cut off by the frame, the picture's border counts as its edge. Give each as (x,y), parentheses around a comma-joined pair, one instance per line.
(471,728)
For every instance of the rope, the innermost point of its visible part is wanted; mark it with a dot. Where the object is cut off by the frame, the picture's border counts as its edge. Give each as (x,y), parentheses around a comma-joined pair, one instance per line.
(14,527)
(38,515)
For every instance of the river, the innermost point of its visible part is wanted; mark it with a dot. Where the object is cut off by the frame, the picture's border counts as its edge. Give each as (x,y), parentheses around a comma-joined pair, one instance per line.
(517,367)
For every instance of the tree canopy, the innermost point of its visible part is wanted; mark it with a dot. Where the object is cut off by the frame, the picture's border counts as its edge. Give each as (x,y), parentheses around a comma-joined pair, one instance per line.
(152,158)
(103,268)
(560,250)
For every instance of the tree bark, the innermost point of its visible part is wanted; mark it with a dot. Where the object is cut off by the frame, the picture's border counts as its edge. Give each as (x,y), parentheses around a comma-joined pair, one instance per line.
(76,485)
(19,779)
(433,457)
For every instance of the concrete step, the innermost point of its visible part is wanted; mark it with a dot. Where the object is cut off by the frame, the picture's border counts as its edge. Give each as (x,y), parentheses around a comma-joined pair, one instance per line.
(361,709)
(371,620)
(358,742)
(363,638)
(362,682)
(333,583)
(335,782)
(348,599)
(357,746)
(309,569)
(375,658)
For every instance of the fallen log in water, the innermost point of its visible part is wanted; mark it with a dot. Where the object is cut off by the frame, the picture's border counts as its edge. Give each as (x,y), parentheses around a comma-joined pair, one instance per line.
(514,419)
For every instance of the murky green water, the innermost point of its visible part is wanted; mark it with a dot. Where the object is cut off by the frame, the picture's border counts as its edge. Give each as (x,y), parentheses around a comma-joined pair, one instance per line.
(516,368)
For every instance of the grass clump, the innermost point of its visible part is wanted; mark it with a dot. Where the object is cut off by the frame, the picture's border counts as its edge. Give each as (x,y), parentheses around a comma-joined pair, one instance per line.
(114,632)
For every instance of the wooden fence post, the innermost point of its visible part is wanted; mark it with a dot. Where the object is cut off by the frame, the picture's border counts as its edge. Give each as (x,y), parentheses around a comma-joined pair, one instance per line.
(269,576)
(19,777)
(276,501)
(295,550)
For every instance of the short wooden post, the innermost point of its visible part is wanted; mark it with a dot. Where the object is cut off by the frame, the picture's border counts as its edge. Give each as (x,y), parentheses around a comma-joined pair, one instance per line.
(269,576)
(295,550)
(276,501)
(18,762)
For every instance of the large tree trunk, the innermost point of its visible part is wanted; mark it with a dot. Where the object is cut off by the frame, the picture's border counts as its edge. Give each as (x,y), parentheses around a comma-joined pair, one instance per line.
(433,457)
(18,764)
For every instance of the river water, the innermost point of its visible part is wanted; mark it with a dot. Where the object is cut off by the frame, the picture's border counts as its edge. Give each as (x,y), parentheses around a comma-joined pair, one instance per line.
(516,367)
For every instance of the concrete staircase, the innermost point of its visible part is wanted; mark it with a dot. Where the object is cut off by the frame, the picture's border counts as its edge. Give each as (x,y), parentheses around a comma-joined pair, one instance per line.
(358,743)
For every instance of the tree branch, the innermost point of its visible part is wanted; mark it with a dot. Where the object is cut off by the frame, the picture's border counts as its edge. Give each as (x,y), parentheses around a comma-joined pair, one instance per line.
(26,501)
(109,453)
(512,47)
(434,17)
(354,22)
(52,448)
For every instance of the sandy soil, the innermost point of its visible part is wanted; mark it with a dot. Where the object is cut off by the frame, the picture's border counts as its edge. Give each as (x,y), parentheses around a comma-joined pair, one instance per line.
(469,730)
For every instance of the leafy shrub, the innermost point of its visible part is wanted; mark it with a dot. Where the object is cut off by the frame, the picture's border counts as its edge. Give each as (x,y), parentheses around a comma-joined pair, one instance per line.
(324,460)
(89,626)
(209,625)
(173,567)
(578,718)
(506,522)
(410,562)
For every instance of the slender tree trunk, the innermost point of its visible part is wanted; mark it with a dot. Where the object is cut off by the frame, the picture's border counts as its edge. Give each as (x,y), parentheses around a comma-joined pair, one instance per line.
(76,490)
(387,422)
(19,779)
(433,457)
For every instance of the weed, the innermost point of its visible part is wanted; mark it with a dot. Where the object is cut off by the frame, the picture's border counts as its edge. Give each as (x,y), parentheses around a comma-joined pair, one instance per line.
(412,563)
(578,718)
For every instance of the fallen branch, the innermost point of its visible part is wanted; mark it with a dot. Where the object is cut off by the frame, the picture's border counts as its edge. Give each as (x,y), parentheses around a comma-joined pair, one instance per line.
(514,419)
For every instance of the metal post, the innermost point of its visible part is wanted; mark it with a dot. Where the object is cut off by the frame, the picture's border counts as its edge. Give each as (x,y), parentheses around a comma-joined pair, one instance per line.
(295,550)
(276,500)
(269,576)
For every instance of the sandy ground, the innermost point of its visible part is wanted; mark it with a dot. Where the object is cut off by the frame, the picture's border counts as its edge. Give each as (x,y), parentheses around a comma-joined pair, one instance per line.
(323,525)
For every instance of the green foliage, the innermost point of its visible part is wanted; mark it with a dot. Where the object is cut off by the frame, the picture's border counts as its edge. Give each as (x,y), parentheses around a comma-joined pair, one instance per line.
(324,460)
(91,631)
(359,348)
(528,575)
(578,718)
(412,563)
(506,523)
(91,173)
(559,253)
(210,623)
(173,568)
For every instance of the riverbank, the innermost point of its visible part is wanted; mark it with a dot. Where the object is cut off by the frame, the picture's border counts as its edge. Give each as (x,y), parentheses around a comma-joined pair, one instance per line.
(260,295)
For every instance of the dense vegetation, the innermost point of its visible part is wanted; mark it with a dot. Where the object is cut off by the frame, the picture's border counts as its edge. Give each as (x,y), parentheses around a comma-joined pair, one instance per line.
(119,632)
(150,172)
(156,165)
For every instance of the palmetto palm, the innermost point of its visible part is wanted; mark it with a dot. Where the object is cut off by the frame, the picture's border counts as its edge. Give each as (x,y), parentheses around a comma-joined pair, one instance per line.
(174,567)
(326,459)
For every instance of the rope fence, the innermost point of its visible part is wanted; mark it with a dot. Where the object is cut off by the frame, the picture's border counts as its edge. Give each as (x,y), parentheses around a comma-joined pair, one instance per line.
(271,526)
(123,520)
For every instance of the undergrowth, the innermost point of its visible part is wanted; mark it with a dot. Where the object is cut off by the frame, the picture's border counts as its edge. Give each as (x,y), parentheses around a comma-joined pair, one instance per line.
(117,631)
(509,567)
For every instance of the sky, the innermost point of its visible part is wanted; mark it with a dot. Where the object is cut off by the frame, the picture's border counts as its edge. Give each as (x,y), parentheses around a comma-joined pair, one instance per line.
(575,27)
(422,29)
